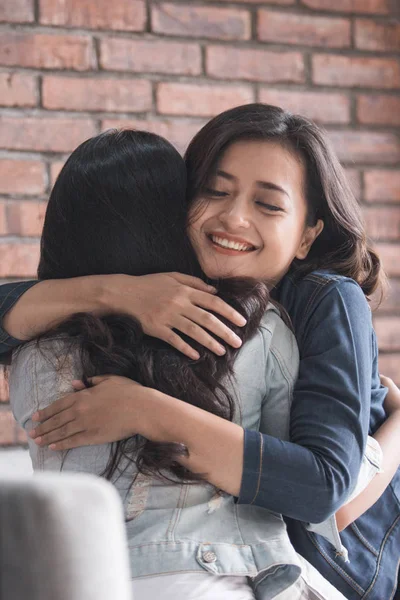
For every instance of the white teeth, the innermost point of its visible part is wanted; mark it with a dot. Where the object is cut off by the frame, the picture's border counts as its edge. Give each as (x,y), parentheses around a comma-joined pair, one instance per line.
(230,244)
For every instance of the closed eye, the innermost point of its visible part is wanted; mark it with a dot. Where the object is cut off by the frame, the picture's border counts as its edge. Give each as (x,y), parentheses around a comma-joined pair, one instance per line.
(215,193)
(271,207)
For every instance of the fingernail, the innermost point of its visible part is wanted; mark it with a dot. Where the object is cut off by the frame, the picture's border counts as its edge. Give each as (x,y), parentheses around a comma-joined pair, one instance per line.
(237,342)
(221,350)
(38,440)
(35,416)
(242,321)
(52,446)
(32,433)
(195,355)
(212,289)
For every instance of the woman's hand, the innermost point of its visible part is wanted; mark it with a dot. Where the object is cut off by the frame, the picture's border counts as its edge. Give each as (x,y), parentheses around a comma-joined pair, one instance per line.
(392,400)
(166,302)
(113,409)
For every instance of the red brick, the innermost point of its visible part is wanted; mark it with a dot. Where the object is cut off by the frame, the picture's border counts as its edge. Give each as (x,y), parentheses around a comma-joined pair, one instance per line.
(377,37)
(381,185)
(94,94)
(19,260)
(322,107)
(391,303)
(150,56)
(379,110)
(55,169)
(356,72)
(383,223)
(179,131)
(17,11)
(390,254)
(7,428)
(3,386)
(43,51)
(307,30)
(201,21)
(25,218)
(126,15)
(203,101)
(389,365)
(379,7)
(354,178)
(3,231)
(44,134)
(254,65)
(388,332)
(279,2)
(17,89)
(366,146)
(22,177)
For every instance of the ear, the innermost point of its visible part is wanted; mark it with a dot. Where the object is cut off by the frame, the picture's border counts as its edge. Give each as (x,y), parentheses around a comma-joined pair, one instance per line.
(309,237)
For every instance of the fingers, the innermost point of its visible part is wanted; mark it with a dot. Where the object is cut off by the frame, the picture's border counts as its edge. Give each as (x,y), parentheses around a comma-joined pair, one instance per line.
(74,441)
(59,420)
(191,329)
(174,340)
(214,325)
(219,306)
(78,385)
(193,282)
(55,408)
(60,434)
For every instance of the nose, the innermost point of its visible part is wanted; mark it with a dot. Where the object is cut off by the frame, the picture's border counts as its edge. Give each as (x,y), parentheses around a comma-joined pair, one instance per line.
(235,215)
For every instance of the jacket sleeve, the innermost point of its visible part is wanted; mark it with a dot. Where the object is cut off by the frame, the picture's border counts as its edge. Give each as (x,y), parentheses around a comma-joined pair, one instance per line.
(9,294)
(38,377)
(311,476)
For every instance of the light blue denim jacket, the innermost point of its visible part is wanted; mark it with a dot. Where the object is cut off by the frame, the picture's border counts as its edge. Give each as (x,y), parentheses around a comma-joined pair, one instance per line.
(179,527)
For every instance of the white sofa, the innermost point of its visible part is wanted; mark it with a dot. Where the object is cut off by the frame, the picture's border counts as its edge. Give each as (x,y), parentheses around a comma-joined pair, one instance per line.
(62,537)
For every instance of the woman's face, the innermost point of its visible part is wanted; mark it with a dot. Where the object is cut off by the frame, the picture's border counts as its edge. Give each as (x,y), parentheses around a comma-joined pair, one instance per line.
(250,221)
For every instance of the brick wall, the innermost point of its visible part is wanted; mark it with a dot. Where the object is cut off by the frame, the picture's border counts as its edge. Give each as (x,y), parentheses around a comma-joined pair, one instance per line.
(72,68)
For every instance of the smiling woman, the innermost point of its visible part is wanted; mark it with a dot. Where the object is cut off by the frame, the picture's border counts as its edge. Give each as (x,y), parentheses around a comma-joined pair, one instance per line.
(251,215)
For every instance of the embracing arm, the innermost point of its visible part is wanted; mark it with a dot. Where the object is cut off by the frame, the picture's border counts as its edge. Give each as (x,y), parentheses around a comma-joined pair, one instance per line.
(29,308)
(162,302)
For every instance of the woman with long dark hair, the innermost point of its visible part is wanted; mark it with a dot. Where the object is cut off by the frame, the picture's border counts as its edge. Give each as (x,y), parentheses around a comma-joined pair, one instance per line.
(119,205)
(261,184)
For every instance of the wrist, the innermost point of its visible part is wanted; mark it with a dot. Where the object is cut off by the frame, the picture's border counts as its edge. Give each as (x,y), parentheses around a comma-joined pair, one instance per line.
(106,292)
(154,415)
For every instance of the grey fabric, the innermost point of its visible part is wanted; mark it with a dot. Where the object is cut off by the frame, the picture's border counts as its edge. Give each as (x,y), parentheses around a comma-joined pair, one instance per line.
(62,537)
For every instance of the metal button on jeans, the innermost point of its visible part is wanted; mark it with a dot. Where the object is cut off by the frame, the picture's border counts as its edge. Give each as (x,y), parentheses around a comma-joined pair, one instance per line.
(209,557)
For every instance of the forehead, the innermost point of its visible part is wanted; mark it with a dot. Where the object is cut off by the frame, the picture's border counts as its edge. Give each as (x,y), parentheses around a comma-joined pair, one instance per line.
(260,160)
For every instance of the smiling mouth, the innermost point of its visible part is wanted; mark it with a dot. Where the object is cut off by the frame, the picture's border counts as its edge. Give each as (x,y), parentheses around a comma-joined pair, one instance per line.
(225,244)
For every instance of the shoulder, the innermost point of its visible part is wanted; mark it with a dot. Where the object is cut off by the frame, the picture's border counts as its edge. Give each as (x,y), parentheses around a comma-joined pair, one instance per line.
(325,294)
(44,362)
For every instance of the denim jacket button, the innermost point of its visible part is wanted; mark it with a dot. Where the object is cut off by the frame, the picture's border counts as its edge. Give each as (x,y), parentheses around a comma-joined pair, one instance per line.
(209,557)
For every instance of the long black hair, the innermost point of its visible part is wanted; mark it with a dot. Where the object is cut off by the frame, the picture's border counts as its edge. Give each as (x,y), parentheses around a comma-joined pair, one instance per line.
(342,246)
(119,206)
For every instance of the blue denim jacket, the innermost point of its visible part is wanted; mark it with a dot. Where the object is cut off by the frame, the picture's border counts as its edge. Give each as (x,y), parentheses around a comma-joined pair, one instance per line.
(337,400)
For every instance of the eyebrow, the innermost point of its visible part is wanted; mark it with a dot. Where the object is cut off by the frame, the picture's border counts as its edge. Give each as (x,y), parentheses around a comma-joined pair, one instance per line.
(266,185)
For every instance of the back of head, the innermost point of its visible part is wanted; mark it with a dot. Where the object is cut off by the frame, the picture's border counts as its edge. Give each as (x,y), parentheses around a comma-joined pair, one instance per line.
(118,206)
(342,246)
